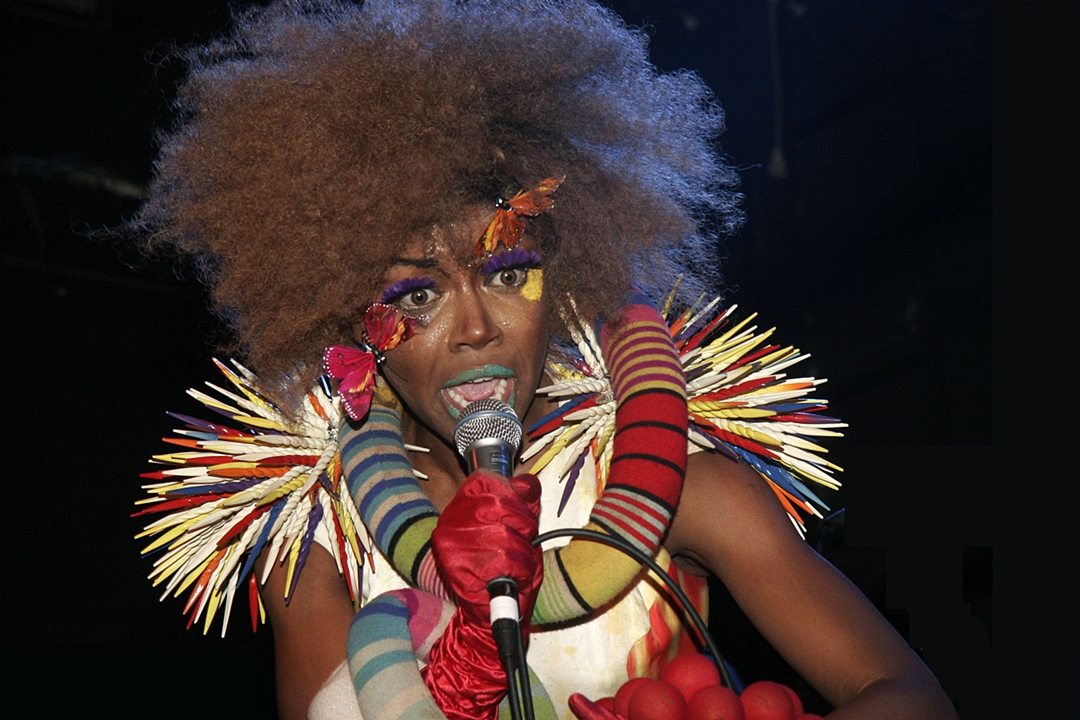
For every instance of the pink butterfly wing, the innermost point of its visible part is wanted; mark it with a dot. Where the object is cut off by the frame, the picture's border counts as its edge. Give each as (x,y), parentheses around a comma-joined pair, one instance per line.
(356,370)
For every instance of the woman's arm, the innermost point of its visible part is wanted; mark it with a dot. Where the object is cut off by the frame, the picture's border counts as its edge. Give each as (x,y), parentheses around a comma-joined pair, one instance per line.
(730,523)
(309,633)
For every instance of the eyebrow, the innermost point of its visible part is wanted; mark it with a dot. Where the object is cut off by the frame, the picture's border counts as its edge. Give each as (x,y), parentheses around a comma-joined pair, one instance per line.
(415,262)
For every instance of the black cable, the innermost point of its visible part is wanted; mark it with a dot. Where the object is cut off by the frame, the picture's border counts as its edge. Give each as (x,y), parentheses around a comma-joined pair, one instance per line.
(510,642)
(523,673)
(513,698)
(648,562)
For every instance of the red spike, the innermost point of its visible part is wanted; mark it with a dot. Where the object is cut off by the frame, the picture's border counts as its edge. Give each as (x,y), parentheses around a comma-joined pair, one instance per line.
(261,472)
(676,326)
(209,460)
(183,442)
(253,601)
(735,389)
(241,526)
(732,438)
(760,352)
(200,584)
(280,460)
(700,335)
(181,502)
(807,416)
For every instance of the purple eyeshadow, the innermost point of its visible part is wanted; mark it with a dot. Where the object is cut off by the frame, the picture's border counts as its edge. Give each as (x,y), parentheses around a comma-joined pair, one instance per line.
(515,258)
(403,287)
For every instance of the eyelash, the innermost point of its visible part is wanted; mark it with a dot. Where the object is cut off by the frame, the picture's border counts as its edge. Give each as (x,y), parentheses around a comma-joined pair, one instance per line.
(510,260)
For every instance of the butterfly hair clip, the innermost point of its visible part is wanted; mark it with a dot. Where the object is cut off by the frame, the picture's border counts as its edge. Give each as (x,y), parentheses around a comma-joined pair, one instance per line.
(385,327)
(508,223)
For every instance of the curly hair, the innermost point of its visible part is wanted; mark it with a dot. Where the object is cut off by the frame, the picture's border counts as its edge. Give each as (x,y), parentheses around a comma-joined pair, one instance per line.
(317,136)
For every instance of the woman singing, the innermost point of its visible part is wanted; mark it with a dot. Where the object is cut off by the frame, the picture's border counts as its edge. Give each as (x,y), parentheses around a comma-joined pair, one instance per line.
(405,207)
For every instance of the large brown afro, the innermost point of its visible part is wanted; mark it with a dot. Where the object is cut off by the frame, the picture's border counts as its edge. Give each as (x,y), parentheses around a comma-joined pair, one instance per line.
(317,136)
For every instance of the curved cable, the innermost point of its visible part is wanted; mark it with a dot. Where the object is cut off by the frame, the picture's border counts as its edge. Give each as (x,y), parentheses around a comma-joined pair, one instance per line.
(648,562)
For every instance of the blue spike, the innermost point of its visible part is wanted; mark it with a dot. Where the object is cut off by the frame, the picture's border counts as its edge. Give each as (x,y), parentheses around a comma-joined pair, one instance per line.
(571,481)
(231,486)
(314,517)
(275,510)
(560,411)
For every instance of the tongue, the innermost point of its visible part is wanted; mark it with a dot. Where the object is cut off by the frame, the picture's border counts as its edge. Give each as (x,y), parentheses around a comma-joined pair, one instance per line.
(477,391)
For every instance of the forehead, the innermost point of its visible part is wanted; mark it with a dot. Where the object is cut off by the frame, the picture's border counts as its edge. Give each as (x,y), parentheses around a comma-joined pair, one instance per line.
(452,242)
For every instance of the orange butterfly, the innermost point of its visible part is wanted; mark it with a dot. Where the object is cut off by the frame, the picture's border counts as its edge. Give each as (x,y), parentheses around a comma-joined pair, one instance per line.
(508,223)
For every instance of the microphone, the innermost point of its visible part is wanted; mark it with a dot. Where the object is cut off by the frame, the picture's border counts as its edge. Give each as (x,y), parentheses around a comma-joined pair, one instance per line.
(488,436)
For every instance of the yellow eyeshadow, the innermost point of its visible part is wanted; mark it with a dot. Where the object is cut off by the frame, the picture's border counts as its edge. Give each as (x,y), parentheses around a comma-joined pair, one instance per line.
(534,286)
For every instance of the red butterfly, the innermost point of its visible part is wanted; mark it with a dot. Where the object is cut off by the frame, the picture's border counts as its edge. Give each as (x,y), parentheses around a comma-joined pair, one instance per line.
(385,327)
(509,221)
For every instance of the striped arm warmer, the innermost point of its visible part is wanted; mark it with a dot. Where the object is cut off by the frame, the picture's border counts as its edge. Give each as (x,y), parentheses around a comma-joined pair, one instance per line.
(393,506)
(647,468)
(386,638)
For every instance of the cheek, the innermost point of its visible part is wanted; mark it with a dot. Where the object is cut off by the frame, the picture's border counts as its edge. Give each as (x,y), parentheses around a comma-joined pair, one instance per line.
(406,366)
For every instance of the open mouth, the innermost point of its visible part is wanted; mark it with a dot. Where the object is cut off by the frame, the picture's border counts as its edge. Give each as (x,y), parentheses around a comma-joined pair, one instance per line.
(490,381)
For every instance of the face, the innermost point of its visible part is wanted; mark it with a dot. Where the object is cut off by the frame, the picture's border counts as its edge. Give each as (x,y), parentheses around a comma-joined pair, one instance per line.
(482,326)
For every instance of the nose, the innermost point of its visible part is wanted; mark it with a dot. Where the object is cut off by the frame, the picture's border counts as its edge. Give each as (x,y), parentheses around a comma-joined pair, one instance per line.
(474,325)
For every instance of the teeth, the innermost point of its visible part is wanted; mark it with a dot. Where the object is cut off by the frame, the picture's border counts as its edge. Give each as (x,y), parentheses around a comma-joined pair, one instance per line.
(500,391)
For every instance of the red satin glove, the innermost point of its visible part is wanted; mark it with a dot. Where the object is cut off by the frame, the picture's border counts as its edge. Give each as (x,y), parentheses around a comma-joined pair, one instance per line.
(485,532)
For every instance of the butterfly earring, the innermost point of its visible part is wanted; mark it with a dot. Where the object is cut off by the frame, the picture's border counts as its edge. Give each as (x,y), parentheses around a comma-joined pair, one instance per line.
(385,327)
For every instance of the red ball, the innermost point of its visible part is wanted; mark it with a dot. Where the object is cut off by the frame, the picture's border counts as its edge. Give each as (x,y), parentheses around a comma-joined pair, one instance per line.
(608,703)
(767,700)
(621,705)
(657,700)
(690,673)
(796,701)
(715,702)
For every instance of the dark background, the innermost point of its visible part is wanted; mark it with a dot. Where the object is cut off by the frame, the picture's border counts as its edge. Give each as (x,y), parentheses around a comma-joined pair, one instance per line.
(916,247)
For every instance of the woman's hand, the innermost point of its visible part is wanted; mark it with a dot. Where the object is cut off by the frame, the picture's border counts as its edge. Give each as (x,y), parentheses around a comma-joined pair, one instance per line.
(484,533)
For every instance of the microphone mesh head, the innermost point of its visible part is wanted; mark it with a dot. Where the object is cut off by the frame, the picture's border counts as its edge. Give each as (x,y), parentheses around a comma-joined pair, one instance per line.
(487,418)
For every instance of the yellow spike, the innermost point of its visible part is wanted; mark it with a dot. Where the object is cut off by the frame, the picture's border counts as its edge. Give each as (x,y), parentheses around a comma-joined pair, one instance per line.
(294,555)
(166,537)
(748,432)
(732,331)
(192,576)
(671,297)
(263,423)
(212,606)
(285,489)
(545,457)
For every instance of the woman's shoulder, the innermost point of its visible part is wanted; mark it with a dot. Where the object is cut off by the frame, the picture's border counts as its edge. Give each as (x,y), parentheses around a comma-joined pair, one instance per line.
(727,513)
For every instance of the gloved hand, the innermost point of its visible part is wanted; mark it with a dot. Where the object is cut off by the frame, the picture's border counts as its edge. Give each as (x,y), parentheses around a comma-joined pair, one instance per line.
(484,533)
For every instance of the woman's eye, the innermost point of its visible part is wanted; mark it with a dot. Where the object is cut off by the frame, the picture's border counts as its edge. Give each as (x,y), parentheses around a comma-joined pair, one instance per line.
(410,294)
(510,268)
(508,277)
(416,299)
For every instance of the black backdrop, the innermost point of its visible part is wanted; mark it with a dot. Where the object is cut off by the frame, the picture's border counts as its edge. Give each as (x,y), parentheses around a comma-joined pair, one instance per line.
(914,247)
